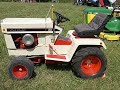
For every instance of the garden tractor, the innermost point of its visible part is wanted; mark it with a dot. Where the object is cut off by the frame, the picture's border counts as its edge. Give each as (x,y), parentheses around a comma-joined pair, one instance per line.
(112,28)
(31,40)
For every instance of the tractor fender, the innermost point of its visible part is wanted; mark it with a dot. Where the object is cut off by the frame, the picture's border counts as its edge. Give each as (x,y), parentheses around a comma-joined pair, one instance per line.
(84,42)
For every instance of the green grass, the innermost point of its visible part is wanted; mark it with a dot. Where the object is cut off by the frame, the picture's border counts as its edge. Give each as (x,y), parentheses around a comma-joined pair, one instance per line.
(57,77)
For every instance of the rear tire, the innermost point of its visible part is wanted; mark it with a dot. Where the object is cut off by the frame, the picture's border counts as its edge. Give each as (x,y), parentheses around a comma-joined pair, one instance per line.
(21,68)
(89,62)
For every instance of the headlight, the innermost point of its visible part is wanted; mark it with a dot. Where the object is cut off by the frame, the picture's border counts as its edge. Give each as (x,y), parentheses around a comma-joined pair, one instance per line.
(28,39)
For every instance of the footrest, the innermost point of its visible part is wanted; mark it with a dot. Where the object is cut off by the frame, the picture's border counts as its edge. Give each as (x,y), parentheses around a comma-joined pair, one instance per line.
(56,57)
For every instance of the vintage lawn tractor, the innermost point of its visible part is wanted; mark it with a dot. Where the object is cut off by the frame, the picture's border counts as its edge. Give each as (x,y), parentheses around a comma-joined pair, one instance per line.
(31,40)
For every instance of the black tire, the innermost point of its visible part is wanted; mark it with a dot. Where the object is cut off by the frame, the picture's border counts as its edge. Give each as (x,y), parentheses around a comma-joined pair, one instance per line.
(79,60)
(21,68)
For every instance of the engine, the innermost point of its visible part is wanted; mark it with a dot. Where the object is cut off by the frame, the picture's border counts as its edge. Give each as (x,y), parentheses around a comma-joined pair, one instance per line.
(25,41)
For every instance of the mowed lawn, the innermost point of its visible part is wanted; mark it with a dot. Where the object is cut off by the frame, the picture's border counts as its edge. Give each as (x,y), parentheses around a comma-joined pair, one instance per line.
(56,77)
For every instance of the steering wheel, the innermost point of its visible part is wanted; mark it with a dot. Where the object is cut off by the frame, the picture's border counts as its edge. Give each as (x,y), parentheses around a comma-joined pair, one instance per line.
(60,18)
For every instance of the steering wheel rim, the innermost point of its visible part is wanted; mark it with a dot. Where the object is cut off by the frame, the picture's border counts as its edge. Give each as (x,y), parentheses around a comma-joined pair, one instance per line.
(60,18)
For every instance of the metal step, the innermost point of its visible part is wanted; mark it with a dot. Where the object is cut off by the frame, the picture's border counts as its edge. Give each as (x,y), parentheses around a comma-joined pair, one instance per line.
(53,57)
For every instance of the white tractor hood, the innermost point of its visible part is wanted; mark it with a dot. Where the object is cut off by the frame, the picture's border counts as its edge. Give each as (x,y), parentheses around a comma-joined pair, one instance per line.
(27,23)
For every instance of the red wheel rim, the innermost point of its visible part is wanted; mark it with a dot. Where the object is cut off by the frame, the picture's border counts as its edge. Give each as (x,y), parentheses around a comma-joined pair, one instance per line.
(19,71)
(91,65)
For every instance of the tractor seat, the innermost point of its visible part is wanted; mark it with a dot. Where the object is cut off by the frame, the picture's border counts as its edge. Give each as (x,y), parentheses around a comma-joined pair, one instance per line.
(96,25)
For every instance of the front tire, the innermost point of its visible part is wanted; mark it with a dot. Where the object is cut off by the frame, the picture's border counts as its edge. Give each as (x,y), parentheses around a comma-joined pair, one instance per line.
(89,62)
(21,68)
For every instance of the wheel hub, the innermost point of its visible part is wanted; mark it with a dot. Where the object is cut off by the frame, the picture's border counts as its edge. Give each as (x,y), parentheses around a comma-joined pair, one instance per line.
(91,65)
(20,71)
(88,61)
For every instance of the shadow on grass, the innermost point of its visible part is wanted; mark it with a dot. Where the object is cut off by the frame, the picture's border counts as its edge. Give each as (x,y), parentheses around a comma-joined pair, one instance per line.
(56,66)
(33,75)
(61,67)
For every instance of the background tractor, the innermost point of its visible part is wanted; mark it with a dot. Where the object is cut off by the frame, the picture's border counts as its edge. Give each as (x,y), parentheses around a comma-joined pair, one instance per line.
(112,30)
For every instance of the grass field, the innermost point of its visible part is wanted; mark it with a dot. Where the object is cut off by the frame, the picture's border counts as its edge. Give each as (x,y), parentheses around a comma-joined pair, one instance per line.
(57,77)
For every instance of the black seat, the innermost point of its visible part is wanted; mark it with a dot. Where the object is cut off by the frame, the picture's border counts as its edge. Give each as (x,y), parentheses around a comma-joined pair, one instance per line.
(96,25)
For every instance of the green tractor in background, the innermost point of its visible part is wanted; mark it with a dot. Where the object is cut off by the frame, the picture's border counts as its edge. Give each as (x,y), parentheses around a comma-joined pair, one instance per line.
(112,28)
